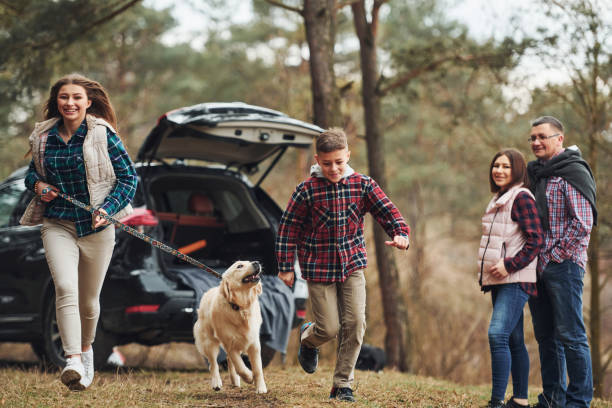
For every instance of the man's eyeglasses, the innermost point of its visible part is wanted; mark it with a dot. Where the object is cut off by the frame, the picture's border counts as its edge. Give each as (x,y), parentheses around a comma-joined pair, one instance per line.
(541,138)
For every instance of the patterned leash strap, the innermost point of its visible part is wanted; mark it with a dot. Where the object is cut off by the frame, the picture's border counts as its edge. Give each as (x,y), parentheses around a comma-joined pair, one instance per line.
(132,231)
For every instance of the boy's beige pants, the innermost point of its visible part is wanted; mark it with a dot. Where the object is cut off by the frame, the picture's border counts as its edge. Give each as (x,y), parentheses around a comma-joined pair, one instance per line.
(78,266)
(339,306)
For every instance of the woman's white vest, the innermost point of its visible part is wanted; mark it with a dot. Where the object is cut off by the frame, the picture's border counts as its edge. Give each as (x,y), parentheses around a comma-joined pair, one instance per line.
(98,167)
(502,238)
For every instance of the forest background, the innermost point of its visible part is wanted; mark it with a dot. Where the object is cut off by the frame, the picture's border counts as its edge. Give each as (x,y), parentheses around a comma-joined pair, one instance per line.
(425,103)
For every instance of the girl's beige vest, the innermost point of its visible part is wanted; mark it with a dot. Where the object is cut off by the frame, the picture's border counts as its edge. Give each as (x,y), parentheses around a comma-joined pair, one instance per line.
(98,167)
(502,238)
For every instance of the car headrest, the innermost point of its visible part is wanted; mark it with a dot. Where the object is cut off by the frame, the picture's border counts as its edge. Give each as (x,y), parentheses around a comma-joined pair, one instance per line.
(200,204)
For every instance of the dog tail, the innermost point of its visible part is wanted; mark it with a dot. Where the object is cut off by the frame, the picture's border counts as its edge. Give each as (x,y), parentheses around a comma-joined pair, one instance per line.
(196,335)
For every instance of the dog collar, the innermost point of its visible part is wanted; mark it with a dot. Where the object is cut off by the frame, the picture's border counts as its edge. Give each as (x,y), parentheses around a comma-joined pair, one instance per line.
(234,306)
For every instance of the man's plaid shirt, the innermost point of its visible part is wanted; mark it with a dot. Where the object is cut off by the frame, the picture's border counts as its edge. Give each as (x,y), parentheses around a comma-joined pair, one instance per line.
(66,170)
(324,223)
(570,217)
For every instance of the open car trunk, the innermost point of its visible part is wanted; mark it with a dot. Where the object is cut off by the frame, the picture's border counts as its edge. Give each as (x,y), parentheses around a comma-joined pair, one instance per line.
(211,219)
(217,221)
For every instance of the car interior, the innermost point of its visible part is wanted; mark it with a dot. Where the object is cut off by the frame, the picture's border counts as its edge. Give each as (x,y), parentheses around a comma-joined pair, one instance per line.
(211,219)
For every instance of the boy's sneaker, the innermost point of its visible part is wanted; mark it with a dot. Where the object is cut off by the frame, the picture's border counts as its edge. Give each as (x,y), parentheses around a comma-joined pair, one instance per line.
(307,356)
(496,404)
(345,394)
(72,373)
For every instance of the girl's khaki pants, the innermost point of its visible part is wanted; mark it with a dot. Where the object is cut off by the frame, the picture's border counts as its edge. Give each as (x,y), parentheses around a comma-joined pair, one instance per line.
(78,266)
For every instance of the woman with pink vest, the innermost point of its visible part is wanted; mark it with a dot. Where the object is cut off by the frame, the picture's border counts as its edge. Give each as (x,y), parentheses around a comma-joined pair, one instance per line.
(512,237)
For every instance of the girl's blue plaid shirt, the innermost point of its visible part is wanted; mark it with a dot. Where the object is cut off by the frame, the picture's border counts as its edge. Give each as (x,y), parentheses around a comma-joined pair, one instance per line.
(324,222)
(66,171)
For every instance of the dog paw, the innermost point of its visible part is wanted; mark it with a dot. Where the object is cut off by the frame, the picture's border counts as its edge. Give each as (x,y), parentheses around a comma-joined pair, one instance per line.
(216,384)
(236,381)
(261,389)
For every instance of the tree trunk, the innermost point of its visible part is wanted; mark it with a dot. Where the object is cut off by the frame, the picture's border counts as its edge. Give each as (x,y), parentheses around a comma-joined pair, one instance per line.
(595,309)
(395,345)
(320,22)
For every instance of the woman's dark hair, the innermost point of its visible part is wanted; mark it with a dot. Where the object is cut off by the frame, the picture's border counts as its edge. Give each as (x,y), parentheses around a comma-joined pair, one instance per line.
(518,167)
(100,103)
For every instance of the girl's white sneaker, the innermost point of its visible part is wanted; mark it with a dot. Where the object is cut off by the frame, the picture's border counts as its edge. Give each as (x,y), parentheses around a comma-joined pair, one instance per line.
(72,373)
(88,362)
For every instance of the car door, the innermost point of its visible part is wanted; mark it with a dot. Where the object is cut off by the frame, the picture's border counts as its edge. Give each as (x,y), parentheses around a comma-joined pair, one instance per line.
(23,269)
(232,134)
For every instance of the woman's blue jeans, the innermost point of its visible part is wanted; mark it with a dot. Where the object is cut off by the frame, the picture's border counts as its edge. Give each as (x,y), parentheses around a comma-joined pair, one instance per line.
(559,329)
(506,341)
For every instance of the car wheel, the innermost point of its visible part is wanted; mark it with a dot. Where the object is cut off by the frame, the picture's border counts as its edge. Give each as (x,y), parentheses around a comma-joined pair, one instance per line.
(267,354)
(103,347)
(49,349)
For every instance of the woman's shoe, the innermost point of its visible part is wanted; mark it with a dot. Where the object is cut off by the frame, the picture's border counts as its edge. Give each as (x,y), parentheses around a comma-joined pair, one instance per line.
(72,373)
(88,362)
(513,404)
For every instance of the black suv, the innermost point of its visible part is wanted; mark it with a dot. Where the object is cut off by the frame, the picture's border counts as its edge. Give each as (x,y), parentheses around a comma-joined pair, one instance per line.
(194,195)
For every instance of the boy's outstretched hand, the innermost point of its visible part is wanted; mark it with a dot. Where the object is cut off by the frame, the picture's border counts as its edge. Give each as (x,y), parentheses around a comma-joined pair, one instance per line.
(287,277)
(399,242)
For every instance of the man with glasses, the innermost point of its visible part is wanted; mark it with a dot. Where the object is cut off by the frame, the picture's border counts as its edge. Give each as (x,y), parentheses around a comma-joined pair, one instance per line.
(564,189)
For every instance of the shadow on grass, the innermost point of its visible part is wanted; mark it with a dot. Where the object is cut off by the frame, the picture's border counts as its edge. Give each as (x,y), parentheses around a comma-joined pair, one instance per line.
(238,397)
(24,365)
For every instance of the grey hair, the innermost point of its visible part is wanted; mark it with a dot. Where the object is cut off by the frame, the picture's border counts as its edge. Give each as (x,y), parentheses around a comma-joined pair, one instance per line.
(551,120)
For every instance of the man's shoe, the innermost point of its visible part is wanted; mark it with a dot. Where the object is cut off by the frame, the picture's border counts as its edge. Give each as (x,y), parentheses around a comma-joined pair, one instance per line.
(345,394)
(495,404)
(307,356)
(72,373)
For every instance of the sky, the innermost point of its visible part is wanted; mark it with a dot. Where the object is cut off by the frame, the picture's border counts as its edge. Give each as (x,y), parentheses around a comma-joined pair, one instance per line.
(484,19)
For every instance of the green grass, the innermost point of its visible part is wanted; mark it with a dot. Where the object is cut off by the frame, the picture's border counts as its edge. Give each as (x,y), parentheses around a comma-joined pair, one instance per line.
(28,386)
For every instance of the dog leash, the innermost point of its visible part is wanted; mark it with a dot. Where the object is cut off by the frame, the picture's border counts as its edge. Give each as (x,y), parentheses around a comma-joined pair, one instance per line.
(153,242)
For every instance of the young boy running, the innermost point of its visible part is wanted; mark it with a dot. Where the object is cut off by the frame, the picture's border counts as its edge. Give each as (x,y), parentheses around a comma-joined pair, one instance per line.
(323,223)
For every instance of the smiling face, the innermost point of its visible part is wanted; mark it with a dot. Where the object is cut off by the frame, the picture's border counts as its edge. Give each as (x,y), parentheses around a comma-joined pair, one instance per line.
(72,103)
(543,146)
(502,172)
(333,164)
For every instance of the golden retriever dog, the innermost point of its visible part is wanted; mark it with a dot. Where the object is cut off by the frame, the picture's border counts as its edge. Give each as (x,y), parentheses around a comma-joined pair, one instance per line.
(229,315)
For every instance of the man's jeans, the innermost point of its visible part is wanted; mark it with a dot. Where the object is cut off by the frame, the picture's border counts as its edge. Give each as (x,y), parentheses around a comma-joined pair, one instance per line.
(559,329)
(506,341)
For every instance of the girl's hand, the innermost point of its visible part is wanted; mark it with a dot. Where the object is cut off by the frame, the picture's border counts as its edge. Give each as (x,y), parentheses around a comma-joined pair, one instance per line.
(499,270)
(399,242)
(46,191)
(100,221)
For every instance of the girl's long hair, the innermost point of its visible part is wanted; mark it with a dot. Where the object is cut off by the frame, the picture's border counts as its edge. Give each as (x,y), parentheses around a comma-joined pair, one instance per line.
(101,106)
